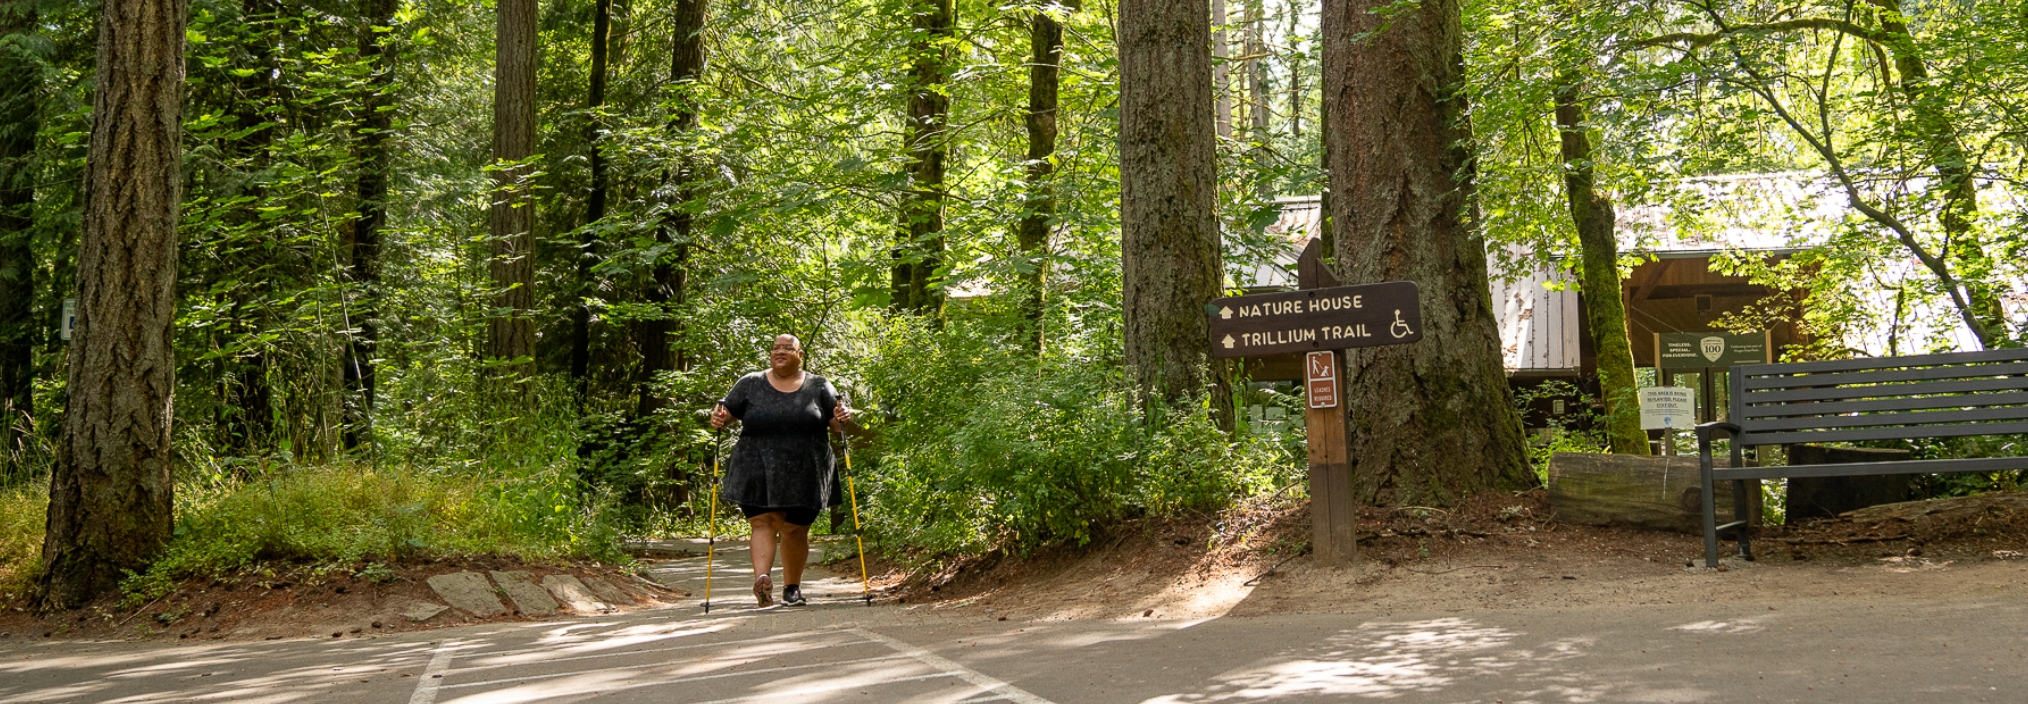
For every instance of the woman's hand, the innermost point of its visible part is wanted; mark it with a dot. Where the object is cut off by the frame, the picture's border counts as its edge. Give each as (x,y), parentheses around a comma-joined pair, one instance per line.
(720,416)
(841,413)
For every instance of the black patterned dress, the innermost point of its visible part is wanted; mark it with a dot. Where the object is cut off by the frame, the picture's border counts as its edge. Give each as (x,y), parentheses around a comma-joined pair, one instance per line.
(783,459)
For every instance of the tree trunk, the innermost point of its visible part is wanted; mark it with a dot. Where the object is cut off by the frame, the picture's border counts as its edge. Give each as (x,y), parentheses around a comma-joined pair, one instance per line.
(1045,38)
(1257,74)
(659,352)
(1956,184)
(1221,51)
(1168,191)
(20,105)
(595,202)
(1592,214)
(920,251)
(1430,422)
(111,497)
(1295,74)
(361,264)
(510,334)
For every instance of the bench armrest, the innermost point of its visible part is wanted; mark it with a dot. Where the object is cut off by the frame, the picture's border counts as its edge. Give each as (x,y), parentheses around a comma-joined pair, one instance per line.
(1704,432)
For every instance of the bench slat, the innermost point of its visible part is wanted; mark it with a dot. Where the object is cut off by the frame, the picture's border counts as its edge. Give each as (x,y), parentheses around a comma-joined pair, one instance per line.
(1983,464)
(2012,383)
(1955,371)
(1876,419)
(1782,410)
(1891,433)
(1847,365)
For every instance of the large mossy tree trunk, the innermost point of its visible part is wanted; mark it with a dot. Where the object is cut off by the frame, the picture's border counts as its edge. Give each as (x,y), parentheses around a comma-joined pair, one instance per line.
(20,110)
(111,497)
(1045,42)
(510,333)
(919,249)
(361,246)
(1430,422)
(1168,195)
(1599,277)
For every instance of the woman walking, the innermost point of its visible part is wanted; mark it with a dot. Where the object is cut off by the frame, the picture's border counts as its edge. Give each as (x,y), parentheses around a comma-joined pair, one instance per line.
(782,471)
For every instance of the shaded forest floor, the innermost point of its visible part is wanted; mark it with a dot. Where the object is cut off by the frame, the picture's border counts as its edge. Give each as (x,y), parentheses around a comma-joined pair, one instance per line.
(298,601)
(1494,551)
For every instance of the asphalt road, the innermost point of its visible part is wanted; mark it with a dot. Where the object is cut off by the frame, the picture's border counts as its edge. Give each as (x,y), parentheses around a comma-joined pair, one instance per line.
(1821,650)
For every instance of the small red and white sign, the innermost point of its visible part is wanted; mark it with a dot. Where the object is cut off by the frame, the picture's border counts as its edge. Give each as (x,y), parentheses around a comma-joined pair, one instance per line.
(1320,374)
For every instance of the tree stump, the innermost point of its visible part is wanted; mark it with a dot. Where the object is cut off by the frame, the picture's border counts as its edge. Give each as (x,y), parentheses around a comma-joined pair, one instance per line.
(1652,493)
(1826,497)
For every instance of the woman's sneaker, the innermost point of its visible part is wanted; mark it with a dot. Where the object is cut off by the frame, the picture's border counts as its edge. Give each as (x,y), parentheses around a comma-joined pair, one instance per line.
(763,590)
(792,595)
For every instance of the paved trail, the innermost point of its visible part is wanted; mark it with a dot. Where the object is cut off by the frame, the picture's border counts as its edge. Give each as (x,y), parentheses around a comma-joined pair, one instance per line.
(1953,650)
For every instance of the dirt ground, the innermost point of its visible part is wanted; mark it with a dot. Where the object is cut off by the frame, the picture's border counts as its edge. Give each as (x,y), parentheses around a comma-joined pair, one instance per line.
(1495,551)
(295,601)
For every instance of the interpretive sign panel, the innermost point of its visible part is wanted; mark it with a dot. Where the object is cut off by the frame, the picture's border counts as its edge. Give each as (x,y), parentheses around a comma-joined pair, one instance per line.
(1710,350)
(1320,378)
(1315,319)
(1672,407)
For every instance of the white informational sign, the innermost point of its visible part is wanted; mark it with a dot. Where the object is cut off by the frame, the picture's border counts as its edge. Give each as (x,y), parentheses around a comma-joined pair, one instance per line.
(1672,407)
(69,317)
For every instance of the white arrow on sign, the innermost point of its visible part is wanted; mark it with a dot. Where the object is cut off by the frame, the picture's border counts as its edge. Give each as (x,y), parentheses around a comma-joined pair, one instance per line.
(1227,341)
(1225,313)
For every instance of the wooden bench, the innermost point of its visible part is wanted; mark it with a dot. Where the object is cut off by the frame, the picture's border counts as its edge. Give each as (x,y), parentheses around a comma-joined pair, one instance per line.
(1890,398)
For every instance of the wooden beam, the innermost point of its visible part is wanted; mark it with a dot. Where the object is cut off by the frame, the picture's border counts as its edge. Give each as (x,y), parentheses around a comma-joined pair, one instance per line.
(1647,287)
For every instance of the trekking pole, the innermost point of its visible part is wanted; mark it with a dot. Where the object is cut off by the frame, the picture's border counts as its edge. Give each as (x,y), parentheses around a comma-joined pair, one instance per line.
(865,588)
(711,519)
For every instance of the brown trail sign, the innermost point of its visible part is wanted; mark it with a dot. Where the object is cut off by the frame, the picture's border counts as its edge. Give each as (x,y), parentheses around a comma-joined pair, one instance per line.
(1315,319)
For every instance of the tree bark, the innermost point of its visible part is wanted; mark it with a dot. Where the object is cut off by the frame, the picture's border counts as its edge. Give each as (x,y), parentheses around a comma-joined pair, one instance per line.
(20,111)
(1257,74)
(1599,277)
(1431,422)
(595,202)
(1045,40)
(510,333)
(1295,74)
(1168,191)
(1221,81)
(659,334)
(111,497)
(920,251)
(361,246)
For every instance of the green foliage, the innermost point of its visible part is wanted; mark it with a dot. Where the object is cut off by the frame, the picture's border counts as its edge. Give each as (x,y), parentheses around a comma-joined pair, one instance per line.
(21,522)
(984,447)
(1583,431)
(357,514)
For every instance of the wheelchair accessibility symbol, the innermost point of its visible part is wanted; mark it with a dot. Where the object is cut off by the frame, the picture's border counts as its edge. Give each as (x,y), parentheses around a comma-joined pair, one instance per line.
(1399,329)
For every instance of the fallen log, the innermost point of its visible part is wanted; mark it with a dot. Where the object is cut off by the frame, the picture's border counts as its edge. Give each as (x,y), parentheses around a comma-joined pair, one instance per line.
(1652,493)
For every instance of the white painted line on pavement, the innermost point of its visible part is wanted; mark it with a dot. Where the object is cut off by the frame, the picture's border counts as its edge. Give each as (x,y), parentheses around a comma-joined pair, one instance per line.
(1005,690)
(679,680)
(432,677)
(618,653)
(820,689)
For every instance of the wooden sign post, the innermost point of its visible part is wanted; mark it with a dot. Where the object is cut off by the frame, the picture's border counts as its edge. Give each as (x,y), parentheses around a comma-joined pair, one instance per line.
(1317,321)
(1334,539)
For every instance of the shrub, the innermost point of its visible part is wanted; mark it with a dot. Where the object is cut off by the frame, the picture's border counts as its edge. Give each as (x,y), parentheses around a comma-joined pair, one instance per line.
(982,447)
(21,522)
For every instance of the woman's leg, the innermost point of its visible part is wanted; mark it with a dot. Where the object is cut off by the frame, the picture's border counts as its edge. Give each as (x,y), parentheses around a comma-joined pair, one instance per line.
(762,543)
(795,552)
